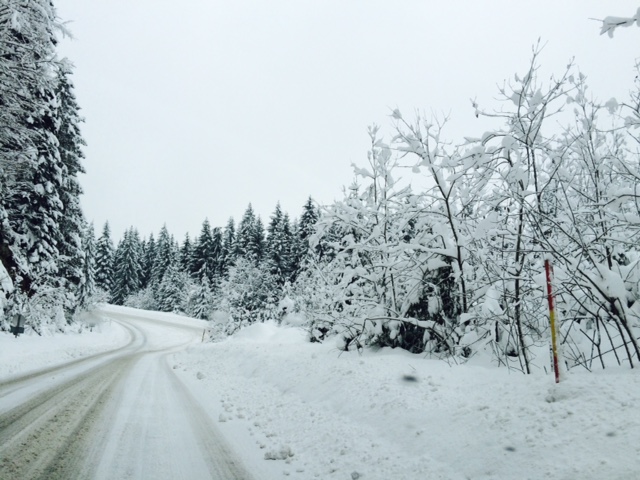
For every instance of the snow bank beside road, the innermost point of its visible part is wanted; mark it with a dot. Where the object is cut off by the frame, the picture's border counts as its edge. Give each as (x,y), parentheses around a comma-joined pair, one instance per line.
(315,412)
(30,352)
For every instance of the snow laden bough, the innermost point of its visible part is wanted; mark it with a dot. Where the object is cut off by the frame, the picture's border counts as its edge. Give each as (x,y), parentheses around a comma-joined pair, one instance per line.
(457,270)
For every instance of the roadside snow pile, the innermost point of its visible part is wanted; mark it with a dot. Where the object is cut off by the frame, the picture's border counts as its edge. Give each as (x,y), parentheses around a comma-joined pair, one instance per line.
(30,352)
(393,415)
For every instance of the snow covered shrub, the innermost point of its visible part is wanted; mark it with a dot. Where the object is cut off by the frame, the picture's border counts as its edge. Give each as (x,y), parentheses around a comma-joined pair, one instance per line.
(248,295)
(459,268)
(86,320)
(216,331)
(438,306)
(44,311)
(287,311)
(100,296)
(594,233)
(314,301)
(568,198)
(383,274)
(143,299)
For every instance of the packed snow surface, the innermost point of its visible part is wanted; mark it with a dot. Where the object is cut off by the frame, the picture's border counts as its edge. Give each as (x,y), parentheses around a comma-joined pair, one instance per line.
(287,408)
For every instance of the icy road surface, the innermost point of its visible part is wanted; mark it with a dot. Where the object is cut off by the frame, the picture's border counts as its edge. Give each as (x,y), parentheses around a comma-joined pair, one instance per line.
(121,414)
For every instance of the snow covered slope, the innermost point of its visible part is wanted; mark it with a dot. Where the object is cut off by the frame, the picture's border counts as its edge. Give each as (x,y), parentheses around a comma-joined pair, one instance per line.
(30,352)
(318,413)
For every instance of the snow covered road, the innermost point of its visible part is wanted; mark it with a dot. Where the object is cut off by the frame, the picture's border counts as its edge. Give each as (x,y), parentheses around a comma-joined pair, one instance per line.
(113,415)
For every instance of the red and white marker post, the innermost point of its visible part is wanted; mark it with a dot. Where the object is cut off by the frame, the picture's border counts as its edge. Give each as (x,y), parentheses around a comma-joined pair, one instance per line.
(552,320)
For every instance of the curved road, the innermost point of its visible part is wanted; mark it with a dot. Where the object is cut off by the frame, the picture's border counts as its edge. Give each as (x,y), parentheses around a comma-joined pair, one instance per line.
(122,414)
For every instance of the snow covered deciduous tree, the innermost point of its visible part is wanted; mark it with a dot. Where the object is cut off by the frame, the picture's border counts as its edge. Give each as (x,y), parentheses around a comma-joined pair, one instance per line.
(594,246)
(522,166)
(459,178)
(378,252)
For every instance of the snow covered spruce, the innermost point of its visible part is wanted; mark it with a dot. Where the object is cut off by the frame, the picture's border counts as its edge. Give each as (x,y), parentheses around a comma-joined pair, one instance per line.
(46,262)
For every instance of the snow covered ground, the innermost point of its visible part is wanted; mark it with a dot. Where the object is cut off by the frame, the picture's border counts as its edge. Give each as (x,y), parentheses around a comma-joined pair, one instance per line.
(31,352)
(291,409)
(316,412)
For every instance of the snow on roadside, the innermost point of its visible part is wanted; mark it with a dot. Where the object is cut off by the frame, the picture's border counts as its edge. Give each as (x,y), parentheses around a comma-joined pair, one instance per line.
(173,318)
(308,411)
(30,352)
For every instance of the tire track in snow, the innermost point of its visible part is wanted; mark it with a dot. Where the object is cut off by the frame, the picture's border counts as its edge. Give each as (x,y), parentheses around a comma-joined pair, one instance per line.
(128,416)
(163,433)
(208,435)
(37,435)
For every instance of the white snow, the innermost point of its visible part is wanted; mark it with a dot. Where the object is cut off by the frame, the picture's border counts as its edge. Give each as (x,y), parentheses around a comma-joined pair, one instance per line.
(5,280)
(31,352)
(293,409)
(612,105)
(393,415)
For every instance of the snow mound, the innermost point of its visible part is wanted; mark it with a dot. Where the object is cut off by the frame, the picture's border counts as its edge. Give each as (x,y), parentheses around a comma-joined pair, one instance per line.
(283,453)
(394,415)
(270,332)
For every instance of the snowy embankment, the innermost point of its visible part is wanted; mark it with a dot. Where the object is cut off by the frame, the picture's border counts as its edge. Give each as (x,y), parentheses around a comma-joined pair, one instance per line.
(309,411)
(30,352)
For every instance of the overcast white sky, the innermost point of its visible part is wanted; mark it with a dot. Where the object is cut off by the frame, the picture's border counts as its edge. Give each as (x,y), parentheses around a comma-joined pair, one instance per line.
(195,108)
